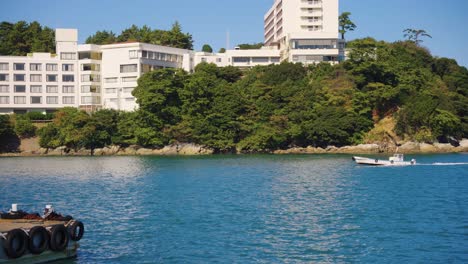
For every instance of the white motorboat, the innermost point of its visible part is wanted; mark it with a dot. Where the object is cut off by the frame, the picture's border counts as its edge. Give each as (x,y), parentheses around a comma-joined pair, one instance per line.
(395,160)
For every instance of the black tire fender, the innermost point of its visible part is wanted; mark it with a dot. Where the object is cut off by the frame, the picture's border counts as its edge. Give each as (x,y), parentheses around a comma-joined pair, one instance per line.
(16,243)
(38,240)
(76,230)
(59,238)
(376,161)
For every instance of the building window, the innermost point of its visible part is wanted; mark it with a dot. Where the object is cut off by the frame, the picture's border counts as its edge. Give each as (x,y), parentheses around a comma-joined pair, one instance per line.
(19,99)
(241,59)
(52,99)
(218,59)
(260,59)
(4,99)
(52,89)
(203,59)
(128,89)
(51,67)
(90,99)
(4,89)
(128,68)
(20,88)
(68,89)
(129,79)
(68,78)
(90,89)
(68,100)
(19,77)
(90,67)
(35,89)
(275,59)
(130,99)
(18,66)
(36,100)
(35,67)
(4,67)
(51,78)
(133,54)
(67,67)
(35,78)
(4,78)
(111,90)
(67,56)
(90,55)
(90,78)
(111,80)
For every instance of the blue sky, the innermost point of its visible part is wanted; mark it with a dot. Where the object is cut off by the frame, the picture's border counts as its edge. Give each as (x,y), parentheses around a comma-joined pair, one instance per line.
(209,20)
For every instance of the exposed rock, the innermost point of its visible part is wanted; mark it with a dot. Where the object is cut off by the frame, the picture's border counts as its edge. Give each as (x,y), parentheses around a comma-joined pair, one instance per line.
(427,148)
(441,148)
(144,152)
(129,151)
(99,152)
(192,149)
(42,151)
(409,147)
(168,150)
(463,145)
(360,149)
(57,151)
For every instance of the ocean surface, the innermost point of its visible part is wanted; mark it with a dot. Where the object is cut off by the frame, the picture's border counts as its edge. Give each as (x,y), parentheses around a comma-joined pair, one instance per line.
(251,209)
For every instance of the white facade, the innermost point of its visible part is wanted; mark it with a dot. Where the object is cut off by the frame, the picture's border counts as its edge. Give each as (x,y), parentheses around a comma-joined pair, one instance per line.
(87,76)
(305,31)
(240,58)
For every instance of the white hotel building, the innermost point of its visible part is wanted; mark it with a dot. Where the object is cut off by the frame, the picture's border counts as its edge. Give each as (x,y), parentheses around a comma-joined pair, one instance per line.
(93,77)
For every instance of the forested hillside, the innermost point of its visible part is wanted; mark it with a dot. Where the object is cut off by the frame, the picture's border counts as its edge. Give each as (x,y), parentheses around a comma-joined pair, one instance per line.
(286,105)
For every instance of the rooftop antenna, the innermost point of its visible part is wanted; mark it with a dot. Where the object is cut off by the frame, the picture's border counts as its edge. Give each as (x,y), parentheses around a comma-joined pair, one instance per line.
(227,39)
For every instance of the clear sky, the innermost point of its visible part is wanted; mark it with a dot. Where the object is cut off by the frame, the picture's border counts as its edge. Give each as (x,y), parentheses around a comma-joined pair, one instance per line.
(209,20)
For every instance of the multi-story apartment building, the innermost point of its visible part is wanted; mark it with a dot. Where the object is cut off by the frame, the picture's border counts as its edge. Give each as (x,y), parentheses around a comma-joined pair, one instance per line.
(304,30)
(86,76)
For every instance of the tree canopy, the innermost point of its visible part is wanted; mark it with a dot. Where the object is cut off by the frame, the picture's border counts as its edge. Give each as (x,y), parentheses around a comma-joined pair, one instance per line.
(346,24)
(247,46)
(172,38)
(21,38)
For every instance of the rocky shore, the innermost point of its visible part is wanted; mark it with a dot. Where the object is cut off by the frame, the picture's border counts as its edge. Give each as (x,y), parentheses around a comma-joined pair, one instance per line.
(193,149)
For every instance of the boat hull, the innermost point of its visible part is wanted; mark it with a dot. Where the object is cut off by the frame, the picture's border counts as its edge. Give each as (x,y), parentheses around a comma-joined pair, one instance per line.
(379,162)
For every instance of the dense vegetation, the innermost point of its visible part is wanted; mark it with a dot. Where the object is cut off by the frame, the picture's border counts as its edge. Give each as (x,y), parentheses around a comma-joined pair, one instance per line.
(172,38)
(284,105)
(261,109)
(22,38)
(248,46)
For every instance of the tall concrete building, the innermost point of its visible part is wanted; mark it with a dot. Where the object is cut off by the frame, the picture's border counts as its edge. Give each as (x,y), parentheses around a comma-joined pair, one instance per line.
(304,30)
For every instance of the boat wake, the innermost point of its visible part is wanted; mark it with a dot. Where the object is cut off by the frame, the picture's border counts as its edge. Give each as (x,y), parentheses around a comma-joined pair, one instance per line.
(445,164)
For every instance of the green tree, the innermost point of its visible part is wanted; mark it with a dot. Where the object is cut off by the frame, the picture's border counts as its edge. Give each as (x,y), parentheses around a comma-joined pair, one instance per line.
(207,48)
(415,35)
(24,127)
(346,24)
(102,38)
(247,46)
(222,50)
(9,141)
(22,38)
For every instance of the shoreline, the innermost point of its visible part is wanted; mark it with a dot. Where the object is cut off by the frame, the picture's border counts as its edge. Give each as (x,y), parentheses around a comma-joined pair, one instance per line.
(187,149)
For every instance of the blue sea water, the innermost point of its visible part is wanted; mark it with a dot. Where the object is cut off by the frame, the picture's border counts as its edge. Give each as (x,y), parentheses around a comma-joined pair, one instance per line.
(251,209)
